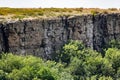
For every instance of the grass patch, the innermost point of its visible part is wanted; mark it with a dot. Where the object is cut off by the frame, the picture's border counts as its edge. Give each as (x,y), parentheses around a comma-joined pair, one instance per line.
(51,12)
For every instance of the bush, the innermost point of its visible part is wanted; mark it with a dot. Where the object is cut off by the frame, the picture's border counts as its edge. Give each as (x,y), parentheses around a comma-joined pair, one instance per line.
(113,9)
(113,55)
(94,12)
(82,64)
(105,78)
(99,66)
(13,67)
(70,50)
(85,63)
(2,75)
(114,44)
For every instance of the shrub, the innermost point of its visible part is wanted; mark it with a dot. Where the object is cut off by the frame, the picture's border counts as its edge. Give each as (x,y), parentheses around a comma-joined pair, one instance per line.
(2,75)
(105,12)
(85,63)
(82,64)
(71,50)
(113,55)
(105,78)
(14,67)
(94,12)
(114,44)
(113,9)
(98,66)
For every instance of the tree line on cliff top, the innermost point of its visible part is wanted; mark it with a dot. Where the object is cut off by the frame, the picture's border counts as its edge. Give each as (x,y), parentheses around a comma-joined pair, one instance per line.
(75,62)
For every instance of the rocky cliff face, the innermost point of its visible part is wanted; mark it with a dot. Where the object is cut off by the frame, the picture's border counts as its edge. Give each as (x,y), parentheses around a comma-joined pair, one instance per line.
(44,37)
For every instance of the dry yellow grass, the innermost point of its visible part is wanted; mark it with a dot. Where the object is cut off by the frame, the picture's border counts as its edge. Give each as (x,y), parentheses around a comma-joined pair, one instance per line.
(26,13)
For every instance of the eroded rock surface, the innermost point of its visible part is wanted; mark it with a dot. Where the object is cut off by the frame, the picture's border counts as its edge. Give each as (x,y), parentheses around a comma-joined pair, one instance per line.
(45,37)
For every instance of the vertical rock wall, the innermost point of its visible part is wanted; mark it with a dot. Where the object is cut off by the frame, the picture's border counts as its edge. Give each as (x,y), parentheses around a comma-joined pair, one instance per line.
(1,39)
(46,36)
(106,28)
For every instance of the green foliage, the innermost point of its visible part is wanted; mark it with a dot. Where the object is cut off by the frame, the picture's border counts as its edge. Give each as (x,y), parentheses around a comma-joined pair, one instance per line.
(113,55)
(45,73)
(114,44)
(76,49)
(13,67)
(70,50)
(99,66)
(85,63)
(105,78)
(2,75)
(82,64)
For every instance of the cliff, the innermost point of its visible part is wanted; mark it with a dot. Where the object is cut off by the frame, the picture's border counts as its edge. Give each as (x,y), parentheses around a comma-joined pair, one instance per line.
(44,37)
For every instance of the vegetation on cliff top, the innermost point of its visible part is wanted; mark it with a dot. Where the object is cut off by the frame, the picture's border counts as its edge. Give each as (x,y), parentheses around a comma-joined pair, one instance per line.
(75,63)
(22,13)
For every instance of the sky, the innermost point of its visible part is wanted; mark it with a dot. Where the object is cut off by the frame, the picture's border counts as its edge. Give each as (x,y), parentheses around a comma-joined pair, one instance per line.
(60,3)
